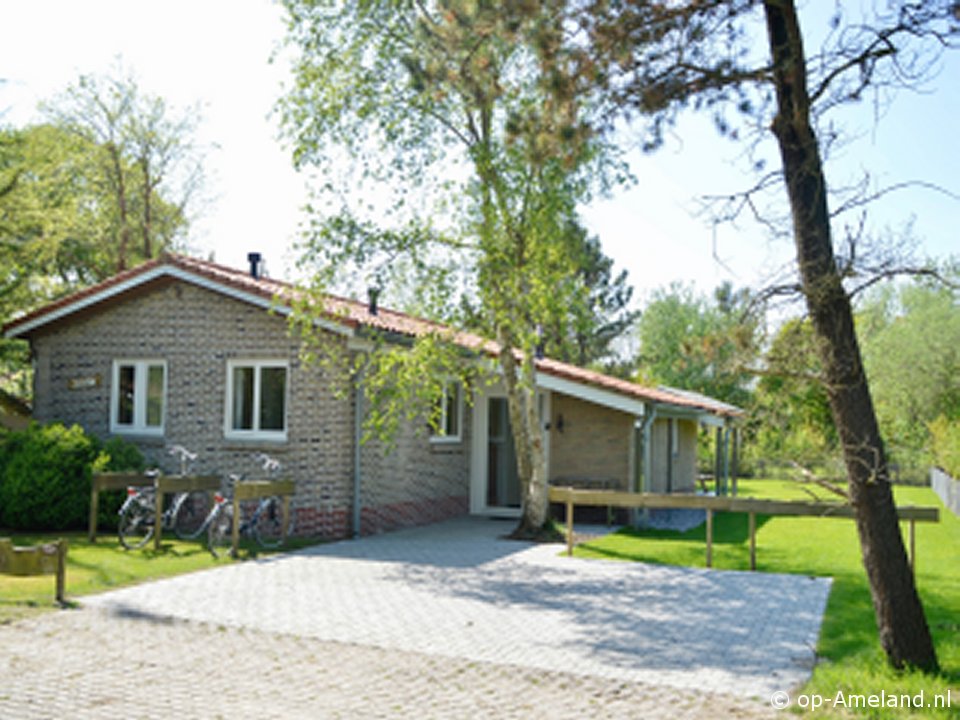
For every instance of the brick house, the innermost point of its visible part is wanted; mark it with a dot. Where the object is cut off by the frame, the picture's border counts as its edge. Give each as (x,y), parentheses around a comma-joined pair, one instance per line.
(180,350)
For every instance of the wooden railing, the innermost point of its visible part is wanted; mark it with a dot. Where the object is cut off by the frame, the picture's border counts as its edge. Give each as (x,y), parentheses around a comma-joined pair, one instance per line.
(571,497)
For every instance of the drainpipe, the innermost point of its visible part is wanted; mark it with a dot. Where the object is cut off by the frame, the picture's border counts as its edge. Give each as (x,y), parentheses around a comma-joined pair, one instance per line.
(357,434)
(646,459)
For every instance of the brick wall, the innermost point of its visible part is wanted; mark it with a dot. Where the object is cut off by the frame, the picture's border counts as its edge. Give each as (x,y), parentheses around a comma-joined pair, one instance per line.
(594,442)
(196,331)
(416,481)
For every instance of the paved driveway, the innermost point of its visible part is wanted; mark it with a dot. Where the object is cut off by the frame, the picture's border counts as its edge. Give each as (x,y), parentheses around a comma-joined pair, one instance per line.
(457,590)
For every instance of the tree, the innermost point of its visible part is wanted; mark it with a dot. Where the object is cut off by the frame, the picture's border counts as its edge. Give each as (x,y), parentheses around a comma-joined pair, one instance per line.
(145,166)
(430,89)
(584,331)
(791,411)
(656,58)
(911,348)
(689,342)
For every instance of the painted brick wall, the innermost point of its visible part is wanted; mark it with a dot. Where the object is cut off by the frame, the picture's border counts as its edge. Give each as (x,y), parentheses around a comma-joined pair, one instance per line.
(197,331)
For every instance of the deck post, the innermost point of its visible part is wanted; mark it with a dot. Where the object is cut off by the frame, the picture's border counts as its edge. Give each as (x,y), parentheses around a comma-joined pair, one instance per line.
(569,523)
(94,509)
(157,515)
(709,537)
(913,546)
(753,541)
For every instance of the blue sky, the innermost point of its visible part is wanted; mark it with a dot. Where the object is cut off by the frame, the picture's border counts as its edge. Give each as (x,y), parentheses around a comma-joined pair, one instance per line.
(216,53)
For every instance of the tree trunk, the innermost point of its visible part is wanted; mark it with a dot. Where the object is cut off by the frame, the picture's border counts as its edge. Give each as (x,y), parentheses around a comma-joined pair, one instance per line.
(121,190)
(903,629)
(527,438)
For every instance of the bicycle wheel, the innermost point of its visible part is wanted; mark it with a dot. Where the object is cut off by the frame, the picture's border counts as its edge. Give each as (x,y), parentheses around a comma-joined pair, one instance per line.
(268,528)
(220,532)
(189,512)
(136,527)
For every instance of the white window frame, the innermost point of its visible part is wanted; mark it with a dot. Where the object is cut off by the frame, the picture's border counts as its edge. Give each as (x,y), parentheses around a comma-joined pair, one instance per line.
(141,377)
(438,434)
(256,433)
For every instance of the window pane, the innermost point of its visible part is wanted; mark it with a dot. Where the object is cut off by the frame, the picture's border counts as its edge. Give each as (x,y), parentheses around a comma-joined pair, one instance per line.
(242,398)
(273,384)
(126,382)
(452,427)
(155,396)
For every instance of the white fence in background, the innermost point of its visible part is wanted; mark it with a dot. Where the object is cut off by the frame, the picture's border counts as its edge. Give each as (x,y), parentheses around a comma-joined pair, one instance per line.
(947,488)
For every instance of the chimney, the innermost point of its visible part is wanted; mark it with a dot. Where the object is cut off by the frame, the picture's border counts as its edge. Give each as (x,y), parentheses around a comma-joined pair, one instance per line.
(255,259)
(372,294)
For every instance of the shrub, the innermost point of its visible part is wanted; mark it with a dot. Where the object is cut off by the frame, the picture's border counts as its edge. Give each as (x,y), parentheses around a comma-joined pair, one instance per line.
(45,476)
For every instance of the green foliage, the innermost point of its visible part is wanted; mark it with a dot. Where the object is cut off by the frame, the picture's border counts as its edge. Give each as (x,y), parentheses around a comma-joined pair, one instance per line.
(45,475)
(792,419)
(945,442)
(692,343)
(911,351)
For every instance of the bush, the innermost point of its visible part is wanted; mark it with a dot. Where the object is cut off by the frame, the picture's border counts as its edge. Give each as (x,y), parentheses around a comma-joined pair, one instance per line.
(45,475)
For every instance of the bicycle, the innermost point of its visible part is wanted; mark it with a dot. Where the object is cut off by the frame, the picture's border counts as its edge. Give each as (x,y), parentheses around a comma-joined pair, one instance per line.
(138,513)
(265,525)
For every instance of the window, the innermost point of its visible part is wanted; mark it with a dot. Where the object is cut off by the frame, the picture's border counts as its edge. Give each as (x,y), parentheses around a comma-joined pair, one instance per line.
(257,400)
(138,396)
(450,416)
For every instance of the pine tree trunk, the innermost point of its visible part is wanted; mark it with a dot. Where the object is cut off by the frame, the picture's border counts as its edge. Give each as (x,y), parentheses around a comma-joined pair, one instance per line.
(904,633)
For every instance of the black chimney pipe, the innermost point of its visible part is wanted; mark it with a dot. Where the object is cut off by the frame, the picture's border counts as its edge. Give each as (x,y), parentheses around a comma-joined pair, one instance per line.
(372,294)
(254,259)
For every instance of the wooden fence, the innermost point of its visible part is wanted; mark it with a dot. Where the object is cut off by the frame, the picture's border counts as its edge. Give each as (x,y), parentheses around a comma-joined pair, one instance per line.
(571,498)
(47,559)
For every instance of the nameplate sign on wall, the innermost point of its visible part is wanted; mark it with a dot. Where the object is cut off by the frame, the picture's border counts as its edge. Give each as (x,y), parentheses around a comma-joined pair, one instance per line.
(84,383)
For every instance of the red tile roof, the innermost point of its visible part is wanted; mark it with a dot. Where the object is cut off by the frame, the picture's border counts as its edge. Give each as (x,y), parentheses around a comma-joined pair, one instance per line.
(355,314)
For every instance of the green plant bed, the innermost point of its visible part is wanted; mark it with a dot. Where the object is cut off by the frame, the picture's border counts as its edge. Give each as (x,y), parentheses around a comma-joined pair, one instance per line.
(850,655)
(105,565)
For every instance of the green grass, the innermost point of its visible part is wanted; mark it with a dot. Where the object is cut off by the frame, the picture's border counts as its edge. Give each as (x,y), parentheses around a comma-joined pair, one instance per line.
(849,650)
(104,565)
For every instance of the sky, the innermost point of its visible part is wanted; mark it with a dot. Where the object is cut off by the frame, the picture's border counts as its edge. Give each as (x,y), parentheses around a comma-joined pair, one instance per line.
(216,54)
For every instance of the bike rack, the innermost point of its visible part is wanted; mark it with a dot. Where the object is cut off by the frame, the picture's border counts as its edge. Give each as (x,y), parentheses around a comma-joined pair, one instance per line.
(253,490)
(178,484)
(111,481)
(163,484)
(46,559)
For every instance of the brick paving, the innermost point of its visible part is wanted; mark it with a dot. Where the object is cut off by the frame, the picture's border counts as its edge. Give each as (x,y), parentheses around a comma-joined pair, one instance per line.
(443,621)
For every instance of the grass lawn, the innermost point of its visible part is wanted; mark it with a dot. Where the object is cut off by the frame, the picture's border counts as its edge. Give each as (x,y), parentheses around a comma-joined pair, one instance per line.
(850,656)
(104,565)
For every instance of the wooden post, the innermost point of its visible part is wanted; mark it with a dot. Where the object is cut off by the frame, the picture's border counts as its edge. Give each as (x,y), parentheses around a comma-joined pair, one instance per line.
(61,571)
(913,546)
(709,537)
(157,515)
(235,529)
(753,541)
(569,524)
(94,508)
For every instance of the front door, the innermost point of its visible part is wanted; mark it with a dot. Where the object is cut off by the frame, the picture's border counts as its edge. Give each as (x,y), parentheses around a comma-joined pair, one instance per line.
(503,486)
